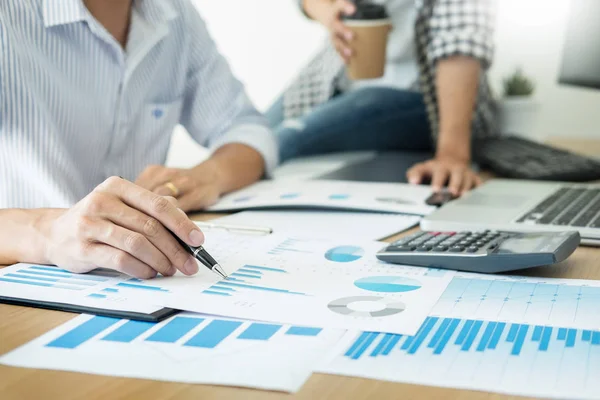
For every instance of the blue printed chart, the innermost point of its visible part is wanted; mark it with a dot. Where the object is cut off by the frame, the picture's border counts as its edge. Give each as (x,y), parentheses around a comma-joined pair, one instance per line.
(556,302)
(522,359)
(345,254)
(186,348)
(45,283)
(388,284)
(247,279)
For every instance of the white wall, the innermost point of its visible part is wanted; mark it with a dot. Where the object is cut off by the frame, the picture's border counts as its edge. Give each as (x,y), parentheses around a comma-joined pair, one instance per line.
(267,41)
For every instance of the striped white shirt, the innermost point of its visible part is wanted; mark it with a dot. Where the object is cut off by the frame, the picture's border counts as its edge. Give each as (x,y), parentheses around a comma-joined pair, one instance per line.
(76,108)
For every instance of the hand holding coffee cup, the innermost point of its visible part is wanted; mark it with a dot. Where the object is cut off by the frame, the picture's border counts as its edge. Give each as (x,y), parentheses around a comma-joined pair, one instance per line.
(370,25)
(330,13)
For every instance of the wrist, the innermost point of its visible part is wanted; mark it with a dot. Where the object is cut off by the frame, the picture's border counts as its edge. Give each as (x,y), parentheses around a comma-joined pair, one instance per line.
(26,234)
(212,173)
(456,146)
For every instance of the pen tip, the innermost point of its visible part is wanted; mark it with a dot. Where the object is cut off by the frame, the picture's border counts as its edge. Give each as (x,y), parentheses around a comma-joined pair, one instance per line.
(219,270)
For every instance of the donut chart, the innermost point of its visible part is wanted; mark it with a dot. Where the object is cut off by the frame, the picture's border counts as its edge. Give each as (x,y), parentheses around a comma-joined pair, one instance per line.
(344,254)
(388,284)
(344,306)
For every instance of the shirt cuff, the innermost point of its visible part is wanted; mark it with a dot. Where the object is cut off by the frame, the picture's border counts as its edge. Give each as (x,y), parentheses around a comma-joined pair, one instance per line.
(259,137)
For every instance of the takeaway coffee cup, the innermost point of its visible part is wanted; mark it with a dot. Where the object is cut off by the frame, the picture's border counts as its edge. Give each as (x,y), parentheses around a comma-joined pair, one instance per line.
(371,26)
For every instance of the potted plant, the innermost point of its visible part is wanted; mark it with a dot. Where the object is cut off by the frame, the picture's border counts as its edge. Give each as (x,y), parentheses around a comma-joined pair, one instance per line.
(518,108)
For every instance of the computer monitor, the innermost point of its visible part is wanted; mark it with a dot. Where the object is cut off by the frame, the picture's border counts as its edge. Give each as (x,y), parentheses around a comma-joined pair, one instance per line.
(581,54)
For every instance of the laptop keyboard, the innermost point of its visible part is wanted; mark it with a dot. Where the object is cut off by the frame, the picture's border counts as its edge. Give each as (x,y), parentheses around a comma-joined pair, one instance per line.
(568,206)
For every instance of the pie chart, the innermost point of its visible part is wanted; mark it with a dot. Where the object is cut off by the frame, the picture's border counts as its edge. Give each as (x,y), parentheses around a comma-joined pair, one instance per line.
(344,254)
(387,284)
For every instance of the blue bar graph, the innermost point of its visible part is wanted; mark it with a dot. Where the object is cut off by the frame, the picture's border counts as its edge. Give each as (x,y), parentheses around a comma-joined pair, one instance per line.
(213,334)
(174,330)
(264,268)
(215,293)
(110,290)
(83,332)
(537,333)
(54,274)
(496,335)
(303,331)
(464,332)
(97,296)
(260,288)
(562,334)
(471,336)
(546,336)
(240,275)
(439,333)
(361,339)
(249,271)
(382,345)
(487,335)
(258,331)
(143,287)
(129,331)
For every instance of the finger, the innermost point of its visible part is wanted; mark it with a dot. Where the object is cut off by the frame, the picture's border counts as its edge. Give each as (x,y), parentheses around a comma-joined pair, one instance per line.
(199,199)
(439,177)
(131,242)
(183,183)
(416,173)
(342,32)
(154,176)
(468,183)
(155,206)
(343,51)
(105,256)
(157,234)
(478,180)
(457,178)
(346,7)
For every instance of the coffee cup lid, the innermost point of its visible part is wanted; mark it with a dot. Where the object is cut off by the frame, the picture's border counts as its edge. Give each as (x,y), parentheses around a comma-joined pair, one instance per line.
(365,11)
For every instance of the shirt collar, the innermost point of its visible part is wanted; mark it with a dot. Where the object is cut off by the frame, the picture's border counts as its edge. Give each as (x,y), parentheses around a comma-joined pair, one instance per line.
(63,12)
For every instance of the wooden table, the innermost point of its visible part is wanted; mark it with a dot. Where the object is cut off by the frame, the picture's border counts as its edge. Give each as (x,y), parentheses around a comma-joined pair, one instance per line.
(19,325)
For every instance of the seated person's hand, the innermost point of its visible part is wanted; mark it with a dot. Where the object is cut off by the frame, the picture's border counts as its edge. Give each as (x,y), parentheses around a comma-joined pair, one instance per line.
(123,227)
(194,189)
(329,14)
(456,172)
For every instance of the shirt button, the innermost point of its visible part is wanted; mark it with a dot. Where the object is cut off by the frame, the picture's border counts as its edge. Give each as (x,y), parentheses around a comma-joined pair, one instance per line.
(157,113)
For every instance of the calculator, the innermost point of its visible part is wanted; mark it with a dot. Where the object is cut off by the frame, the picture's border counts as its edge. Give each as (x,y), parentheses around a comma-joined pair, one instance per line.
(484,252)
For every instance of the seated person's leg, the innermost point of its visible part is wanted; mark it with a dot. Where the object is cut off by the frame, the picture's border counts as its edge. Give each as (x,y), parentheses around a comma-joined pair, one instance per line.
(374,118)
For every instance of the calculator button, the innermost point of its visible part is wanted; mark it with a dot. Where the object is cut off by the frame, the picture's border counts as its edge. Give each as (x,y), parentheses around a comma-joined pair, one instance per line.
(457,249)
(424,248)
(402,248)
(472,249)
(440,248)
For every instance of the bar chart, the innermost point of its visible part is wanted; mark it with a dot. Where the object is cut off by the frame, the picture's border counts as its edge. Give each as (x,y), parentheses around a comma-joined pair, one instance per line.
(188,348)
(514,358)
(54,277)
(246,279)
(551,302)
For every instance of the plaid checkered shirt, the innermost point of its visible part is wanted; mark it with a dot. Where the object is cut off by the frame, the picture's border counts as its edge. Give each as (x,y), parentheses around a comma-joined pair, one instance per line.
(443,28)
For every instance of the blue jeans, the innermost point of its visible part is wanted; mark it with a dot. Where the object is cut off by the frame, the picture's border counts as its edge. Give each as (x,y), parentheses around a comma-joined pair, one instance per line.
(373,118)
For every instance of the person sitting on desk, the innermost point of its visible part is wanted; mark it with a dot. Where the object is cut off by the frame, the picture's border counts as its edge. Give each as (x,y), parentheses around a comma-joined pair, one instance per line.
(91,89)
(434,89)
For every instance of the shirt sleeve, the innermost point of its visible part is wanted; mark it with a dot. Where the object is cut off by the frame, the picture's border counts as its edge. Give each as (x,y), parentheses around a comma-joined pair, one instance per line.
(217,110)
(461,27)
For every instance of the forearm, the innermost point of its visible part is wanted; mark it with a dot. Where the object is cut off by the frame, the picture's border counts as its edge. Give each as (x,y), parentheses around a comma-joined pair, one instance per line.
(21,235)
(235,165)
(457,82)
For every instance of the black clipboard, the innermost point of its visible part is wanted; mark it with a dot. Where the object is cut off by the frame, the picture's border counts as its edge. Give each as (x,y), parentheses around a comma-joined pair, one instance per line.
(156,316)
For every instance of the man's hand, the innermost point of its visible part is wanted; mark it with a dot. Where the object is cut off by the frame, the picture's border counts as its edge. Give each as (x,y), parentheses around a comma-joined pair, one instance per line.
(457,172)
(123,227)
(194,189)
(329,14)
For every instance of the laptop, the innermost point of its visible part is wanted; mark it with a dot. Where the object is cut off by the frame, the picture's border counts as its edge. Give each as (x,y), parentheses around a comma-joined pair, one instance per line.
(520,205)
(383,167)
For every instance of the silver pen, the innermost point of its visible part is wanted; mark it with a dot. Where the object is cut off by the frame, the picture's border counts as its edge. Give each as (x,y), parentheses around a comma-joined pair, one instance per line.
(200,254)
(238,228)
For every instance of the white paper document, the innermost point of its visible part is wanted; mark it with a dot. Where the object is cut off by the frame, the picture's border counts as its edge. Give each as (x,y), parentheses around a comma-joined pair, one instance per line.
(520,336)
(324,224)
(333,195)
(187,348)
(337,284)
(43,283)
